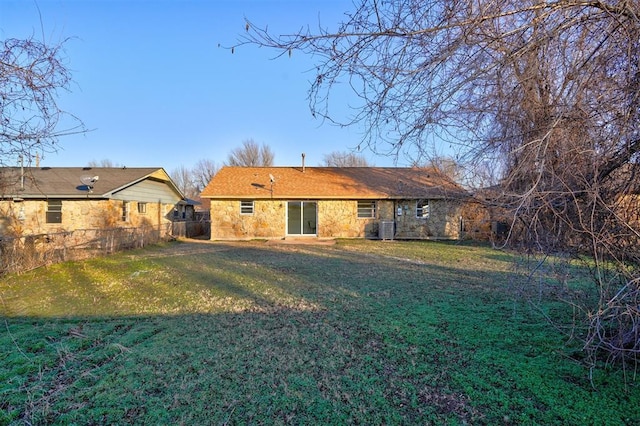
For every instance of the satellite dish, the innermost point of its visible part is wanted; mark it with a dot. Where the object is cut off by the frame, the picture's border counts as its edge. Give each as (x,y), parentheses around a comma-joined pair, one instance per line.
(271,178)
(89,181)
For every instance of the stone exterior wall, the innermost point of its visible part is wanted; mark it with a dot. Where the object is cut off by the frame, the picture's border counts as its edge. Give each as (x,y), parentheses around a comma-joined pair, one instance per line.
(267,220)
(629,210)
(443,221)
(336,219)
(29,216)
(339,219)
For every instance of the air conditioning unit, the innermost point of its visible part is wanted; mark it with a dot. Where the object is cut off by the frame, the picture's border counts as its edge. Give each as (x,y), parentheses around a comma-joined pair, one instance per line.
(386,229)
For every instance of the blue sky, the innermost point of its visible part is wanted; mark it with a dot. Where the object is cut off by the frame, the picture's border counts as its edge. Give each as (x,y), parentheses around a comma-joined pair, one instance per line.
(154,88)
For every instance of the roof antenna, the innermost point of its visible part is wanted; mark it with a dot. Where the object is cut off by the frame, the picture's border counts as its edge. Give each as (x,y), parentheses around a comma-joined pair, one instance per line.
(303,162)
(272,180)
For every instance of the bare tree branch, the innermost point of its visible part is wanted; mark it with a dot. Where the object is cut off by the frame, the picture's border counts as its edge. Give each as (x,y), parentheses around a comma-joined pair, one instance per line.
(184,180)
(344,159)
(250,154)
(31,75)
(203,172)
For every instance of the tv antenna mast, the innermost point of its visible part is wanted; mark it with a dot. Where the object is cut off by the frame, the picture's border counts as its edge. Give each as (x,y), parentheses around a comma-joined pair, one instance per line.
(272,180)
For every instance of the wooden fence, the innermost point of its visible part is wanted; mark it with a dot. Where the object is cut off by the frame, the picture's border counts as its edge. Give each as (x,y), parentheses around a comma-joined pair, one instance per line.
(191,229)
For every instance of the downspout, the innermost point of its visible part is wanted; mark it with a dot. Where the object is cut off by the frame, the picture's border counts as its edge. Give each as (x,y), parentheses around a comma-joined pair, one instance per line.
(21,173)
(159,219)
(395,218)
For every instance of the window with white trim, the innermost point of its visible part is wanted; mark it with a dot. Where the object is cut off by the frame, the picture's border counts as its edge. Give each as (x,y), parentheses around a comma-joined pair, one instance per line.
(423,210)
(366,209)
(246,207)
(142,208)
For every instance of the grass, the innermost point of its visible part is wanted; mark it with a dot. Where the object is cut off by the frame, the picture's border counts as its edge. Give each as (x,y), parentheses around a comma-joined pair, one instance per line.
(362,332)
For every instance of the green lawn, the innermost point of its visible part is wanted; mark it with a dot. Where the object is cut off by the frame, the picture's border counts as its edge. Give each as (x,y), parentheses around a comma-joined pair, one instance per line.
(363,332)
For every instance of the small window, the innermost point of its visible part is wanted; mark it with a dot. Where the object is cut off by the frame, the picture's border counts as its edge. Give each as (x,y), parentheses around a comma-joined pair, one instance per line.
(366,209)
(422,209)
(246,207)
(54,211)
(125,211)
(142,208)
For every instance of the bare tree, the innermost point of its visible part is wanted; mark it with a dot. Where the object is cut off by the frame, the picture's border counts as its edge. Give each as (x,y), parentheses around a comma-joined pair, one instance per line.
(449,167)
(184,180)
(250,154)
(192,181)
(344,159)
(103,163)
(548,93)
(31,75)
(203,172)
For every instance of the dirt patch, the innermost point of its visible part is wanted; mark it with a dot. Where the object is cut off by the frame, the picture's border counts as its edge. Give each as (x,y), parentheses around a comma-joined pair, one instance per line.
(448,403)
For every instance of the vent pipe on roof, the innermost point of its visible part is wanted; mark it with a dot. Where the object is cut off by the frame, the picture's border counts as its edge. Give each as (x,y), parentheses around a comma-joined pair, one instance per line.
(303,162)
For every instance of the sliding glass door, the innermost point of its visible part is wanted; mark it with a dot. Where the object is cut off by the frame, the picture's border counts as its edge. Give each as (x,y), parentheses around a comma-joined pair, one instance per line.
(302,217)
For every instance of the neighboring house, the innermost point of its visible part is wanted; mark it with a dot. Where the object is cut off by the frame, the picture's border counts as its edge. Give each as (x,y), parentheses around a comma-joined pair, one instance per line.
(36,200)
(334,202)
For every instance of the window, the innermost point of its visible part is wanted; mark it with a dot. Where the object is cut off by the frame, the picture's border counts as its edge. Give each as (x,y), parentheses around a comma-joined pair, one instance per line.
(142,208)
(422,209)
(54,211)
(366,209)
(125,211)
(246,207)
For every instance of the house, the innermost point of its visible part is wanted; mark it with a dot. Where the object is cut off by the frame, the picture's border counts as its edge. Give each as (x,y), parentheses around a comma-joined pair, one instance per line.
(38,200)
(333,202)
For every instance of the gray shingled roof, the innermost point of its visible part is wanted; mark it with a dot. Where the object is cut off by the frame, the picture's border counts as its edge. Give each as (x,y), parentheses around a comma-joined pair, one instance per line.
(65,182)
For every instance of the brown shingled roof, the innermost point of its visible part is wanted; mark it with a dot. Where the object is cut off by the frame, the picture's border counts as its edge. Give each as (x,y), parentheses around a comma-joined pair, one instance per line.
(64,182)
(330,183)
